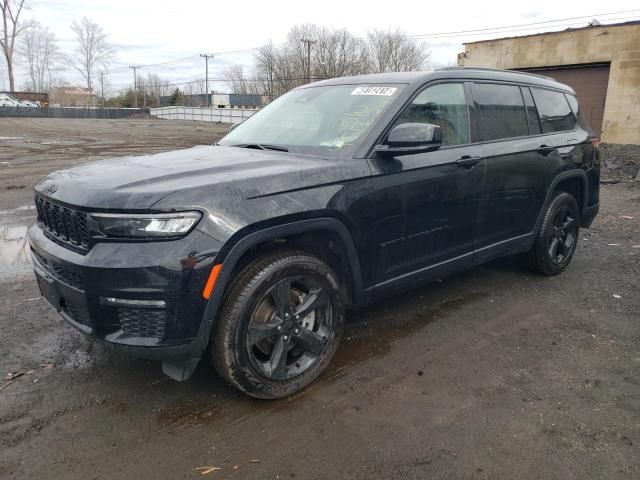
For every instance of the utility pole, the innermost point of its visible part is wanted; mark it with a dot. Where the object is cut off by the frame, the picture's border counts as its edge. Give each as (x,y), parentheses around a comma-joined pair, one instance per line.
(135,85)
(102,88)
(206,57)
(308,42)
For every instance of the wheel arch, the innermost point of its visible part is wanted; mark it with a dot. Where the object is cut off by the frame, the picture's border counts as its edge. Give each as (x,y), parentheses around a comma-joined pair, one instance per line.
(240,244)
(572,181)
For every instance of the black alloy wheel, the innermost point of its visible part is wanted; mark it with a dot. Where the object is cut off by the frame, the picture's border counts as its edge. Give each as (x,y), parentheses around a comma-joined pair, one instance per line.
(289,328)
(557,237)
(280,324)
(563,236)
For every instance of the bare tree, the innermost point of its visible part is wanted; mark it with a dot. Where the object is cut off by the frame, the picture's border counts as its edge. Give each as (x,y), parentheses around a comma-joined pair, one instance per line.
(195,87)
(265,73)
(338,53)
(41,52)
(395,51)
(12,28)
(92,51)
(156,87)
(334,53)
(236,79)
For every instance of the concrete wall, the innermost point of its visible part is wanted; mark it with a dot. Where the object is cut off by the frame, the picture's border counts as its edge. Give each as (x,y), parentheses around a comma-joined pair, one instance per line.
(619,45)
(201,114)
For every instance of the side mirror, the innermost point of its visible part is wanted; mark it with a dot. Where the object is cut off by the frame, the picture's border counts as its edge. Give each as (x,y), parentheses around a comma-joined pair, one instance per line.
(408,138)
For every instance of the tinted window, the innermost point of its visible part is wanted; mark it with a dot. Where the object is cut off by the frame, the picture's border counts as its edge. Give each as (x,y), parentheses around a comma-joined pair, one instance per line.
(532,113)
(555,114)
(443,105)
(500,111)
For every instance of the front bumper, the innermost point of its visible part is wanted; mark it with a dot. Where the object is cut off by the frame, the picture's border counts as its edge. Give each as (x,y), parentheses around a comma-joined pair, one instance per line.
(143,298)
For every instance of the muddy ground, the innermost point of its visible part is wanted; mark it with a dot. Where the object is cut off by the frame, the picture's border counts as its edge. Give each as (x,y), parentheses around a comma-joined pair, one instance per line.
(492,373)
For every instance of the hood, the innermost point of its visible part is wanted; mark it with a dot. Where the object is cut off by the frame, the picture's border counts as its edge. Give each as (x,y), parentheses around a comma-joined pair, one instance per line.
(138,182)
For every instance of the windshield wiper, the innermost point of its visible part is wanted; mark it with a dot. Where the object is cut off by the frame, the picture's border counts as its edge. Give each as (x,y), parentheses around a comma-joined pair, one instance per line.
(262,146)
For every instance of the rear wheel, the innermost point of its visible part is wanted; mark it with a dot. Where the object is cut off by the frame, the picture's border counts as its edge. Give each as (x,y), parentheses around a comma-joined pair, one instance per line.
(557,238)
(280,324)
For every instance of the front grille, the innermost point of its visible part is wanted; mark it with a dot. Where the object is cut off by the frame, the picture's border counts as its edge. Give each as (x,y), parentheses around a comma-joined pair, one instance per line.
(60,273)
(142,322)
(65,224)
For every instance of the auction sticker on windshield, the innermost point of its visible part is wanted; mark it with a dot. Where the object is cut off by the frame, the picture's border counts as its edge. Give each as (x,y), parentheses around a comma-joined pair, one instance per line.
(384,91)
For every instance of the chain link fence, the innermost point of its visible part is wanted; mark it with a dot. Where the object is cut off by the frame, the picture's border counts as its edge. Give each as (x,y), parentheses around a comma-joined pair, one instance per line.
(70,112)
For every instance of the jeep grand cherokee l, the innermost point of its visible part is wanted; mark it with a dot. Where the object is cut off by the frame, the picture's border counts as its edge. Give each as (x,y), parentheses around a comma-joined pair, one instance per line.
(340,191)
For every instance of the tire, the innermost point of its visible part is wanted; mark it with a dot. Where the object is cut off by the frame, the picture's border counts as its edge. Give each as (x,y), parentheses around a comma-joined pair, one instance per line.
(288,305)
(557,236)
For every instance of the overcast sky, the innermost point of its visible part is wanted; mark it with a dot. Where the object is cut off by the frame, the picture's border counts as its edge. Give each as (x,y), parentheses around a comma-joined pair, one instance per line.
(148,32)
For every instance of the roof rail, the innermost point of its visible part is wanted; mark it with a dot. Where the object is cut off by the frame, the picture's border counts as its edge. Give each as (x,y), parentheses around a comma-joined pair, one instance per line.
(485,69)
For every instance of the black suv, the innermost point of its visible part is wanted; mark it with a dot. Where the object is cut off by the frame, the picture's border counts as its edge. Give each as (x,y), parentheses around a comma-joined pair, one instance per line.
(250,250)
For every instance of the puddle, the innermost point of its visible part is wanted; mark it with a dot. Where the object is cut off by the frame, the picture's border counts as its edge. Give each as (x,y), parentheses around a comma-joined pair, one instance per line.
(15,258)
(373,331)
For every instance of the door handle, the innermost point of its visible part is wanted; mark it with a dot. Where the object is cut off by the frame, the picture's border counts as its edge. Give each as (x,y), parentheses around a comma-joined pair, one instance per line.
(467,161)
(545,150)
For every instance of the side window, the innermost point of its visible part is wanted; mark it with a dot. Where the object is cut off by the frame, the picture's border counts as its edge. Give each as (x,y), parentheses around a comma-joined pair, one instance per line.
(532,113)
(443,105)
(500,111)
(554,110)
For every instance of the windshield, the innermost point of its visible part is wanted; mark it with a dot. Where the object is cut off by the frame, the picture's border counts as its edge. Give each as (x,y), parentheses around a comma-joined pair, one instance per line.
(317,120)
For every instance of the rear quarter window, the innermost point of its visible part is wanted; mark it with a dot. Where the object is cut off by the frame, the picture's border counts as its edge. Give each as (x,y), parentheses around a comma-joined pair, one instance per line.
(555,112)
(500,111)
(578,112)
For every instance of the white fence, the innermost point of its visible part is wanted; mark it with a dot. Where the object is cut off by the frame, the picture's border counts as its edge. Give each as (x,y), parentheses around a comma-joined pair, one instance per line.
(201,114)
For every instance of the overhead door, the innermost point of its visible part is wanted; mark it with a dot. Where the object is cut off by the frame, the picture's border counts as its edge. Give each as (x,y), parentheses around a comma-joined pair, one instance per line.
(590,83)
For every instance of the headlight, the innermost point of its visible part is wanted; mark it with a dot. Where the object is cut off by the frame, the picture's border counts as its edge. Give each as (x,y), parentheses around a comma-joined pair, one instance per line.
(153,225)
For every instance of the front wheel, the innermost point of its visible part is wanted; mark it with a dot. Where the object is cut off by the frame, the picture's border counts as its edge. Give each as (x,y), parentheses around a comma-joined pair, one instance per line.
(279,326)
(557,238)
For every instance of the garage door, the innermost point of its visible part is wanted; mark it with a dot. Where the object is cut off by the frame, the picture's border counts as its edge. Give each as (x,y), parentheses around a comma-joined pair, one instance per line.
(589,82)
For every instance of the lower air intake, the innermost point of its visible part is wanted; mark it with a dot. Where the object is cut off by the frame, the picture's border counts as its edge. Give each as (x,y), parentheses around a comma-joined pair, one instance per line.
(142,322)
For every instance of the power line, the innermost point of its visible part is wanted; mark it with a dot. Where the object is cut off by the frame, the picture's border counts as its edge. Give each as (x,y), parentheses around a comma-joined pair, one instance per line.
(532,31)
(455,33)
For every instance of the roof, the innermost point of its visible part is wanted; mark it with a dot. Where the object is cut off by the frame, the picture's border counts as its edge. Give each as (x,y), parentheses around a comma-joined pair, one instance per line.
(566,30)
(416,79)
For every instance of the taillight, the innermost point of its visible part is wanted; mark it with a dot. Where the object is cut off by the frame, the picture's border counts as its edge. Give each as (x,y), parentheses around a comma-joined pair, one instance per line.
(596,152)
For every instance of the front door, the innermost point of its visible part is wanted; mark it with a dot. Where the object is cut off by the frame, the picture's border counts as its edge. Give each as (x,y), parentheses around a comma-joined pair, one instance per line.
(427,203)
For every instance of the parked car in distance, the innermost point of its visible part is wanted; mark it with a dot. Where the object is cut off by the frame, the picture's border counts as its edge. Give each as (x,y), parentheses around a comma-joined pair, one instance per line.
(334,195)
(29,104)
(7,100)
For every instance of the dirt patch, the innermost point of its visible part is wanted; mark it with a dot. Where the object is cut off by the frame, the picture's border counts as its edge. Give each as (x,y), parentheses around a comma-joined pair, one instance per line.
(620,162)
(492,373)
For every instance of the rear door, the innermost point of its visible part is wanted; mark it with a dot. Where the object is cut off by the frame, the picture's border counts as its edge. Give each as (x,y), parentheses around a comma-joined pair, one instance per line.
(517,158)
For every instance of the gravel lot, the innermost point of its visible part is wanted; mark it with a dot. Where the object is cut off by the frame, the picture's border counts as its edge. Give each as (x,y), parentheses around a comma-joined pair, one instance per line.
(492,373)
